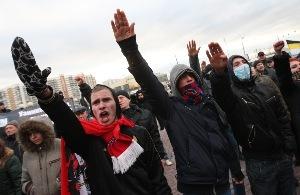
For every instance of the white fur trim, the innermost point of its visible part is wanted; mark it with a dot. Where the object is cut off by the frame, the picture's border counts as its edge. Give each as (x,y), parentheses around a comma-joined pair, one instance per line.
(123,162)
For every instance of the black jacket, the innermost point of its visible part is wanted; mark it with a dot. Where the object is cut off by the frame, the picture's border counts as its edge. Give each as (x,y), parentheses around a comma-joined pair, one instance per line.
(144,177)
(290,89)
(145,119)
(257,113)
(201,150)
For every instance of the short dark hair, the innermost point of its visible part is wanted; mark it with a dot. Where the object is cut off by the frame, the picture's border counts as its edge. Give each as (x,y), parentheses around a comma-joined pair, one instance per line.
(1,103)
(100,87)
(261,53)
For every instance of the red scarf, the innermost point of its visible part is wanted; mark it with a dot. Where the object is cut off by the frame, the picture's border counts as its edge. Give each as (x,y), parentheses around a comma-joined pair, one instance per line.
(123,149)
(115,141)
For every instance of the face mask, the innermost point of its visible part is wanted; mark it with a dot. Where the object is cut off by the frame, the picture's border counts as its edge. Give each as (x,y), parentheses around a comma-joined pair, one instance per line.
(242,72)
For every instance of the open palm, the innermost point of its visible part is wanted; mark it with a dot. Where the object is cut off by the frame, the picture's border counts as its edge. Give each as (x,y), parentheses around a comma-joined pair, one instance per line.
(217,57)
(122,29)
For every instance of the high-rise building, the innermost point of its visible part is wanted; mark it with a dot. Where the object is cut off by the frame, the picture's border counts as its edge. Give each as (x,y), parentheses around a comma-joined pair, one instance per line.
(15,96)
(129,84)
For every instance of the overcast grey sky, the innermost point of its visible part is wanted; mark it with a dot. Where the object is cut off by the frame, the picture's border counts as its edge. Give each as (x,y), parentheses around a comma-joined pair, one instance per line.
(75,36)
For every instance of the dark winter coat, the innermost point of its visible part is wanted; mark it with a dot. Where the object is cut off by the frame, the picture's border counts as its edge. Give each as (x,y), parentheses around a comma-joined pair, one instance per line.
(290,90)
(257,113)
(10,174)
(145,177)
(145,119)
(12,143)
(196,133)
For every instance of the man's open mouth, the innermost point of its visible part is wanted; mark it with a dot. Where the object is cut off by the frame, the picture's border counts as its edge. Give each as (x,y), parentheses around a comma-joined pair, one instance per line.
(104,114)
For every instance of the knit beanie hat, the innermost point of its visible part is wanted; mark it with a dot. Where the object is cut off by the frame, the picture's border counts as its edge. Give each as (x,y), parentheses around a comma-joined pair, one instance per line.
(13,122)
(123,92)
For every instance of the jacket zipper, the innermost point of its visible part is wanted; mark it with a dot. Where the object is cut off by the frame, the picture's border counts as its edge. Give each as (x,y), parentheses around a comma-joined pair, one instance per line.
(271,98)
(247,102)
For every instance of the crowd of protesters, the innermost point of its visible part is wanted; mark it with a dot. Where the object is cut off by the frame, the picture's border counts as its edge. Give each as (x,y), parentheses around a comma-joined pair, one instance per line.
(217,114)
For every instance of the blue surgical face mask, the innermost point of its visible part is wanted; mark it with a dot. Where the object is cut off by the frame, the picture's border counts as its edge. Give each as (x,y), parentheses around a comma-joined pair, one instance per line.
(242,72)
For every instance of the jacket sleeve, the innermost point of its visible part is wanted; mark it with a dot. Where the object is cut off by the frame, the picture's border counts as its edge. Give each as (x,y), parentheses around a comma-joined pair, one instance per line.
(67,123)
(138,67)
(283,72)
(223,94)
(234,163)
(194,64)
(86,91)
(154,168)
(154,132)
(15,174)
(26,180)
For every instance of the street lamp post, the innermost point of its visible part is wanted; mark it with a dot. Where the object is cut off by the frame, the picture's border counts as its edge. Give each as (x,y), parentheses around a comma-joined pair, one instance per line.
(243,46)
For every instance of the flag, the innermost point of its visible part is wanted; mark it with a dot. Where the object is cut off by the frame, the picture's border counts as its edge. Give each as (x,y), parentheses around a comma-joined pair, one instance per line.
(294,47)
(293,44)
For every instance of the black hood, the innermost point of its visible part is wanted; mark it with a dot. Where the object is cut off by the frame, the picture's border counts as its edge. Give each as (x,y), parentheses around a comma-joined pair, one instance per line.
(233,78)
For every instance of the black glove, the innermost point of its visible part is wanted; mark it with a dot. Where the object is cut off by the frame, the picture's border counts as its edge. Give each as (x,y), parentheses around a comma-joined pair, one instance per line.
(28,71)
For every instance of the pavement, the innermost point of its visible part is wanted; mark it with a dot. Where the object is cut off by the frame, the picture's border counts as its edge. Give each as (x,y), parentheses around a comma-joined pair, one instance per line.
(170,171)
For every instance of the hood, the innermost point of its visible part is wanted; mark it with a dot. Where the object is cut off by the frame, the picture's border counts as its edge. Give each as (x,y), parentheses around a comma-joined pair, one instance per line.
(176,72)
(6,155)
(231,74)
(31,126)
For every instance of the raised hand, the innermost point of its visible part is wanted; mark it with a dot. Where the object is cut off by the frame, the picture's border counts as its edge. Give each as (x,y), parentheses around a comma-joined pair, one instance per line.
(216,57)
(28,71)
(192,48)
(278,46)
(203,65)
(79,79)
(122,29)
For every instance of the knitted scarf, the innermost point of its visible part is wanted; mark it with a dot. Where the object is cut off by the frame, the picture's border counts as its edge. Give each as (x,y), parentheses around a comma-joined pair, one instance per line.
(191,93)
(123,149)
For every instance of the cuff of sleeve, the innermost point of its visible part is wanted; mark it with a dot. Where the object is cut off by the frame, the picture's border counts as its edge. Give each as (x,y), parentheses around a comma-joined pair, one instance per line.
(239,176)
(48,100)
(128,44)
(26,187)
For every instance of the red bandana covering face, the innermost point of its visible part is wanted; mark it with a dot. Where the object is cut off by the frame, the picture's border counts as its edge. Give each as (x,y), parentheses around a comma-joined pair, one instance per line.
(123,149)
(191,93)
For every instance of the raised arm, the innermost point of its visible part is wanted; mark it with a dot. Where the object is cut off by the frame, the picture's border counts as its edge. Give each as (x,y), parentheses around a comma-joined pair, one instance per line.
(84,88)
(282,68)
(193,57)
(221,87)
(220,82)
(138,67)
(35,82)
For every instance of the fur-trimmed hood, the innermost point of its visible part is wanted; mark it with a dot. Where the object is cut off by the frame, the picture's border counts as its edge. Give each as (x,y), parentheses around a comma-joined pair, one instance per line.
(6,155)
(32,126)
